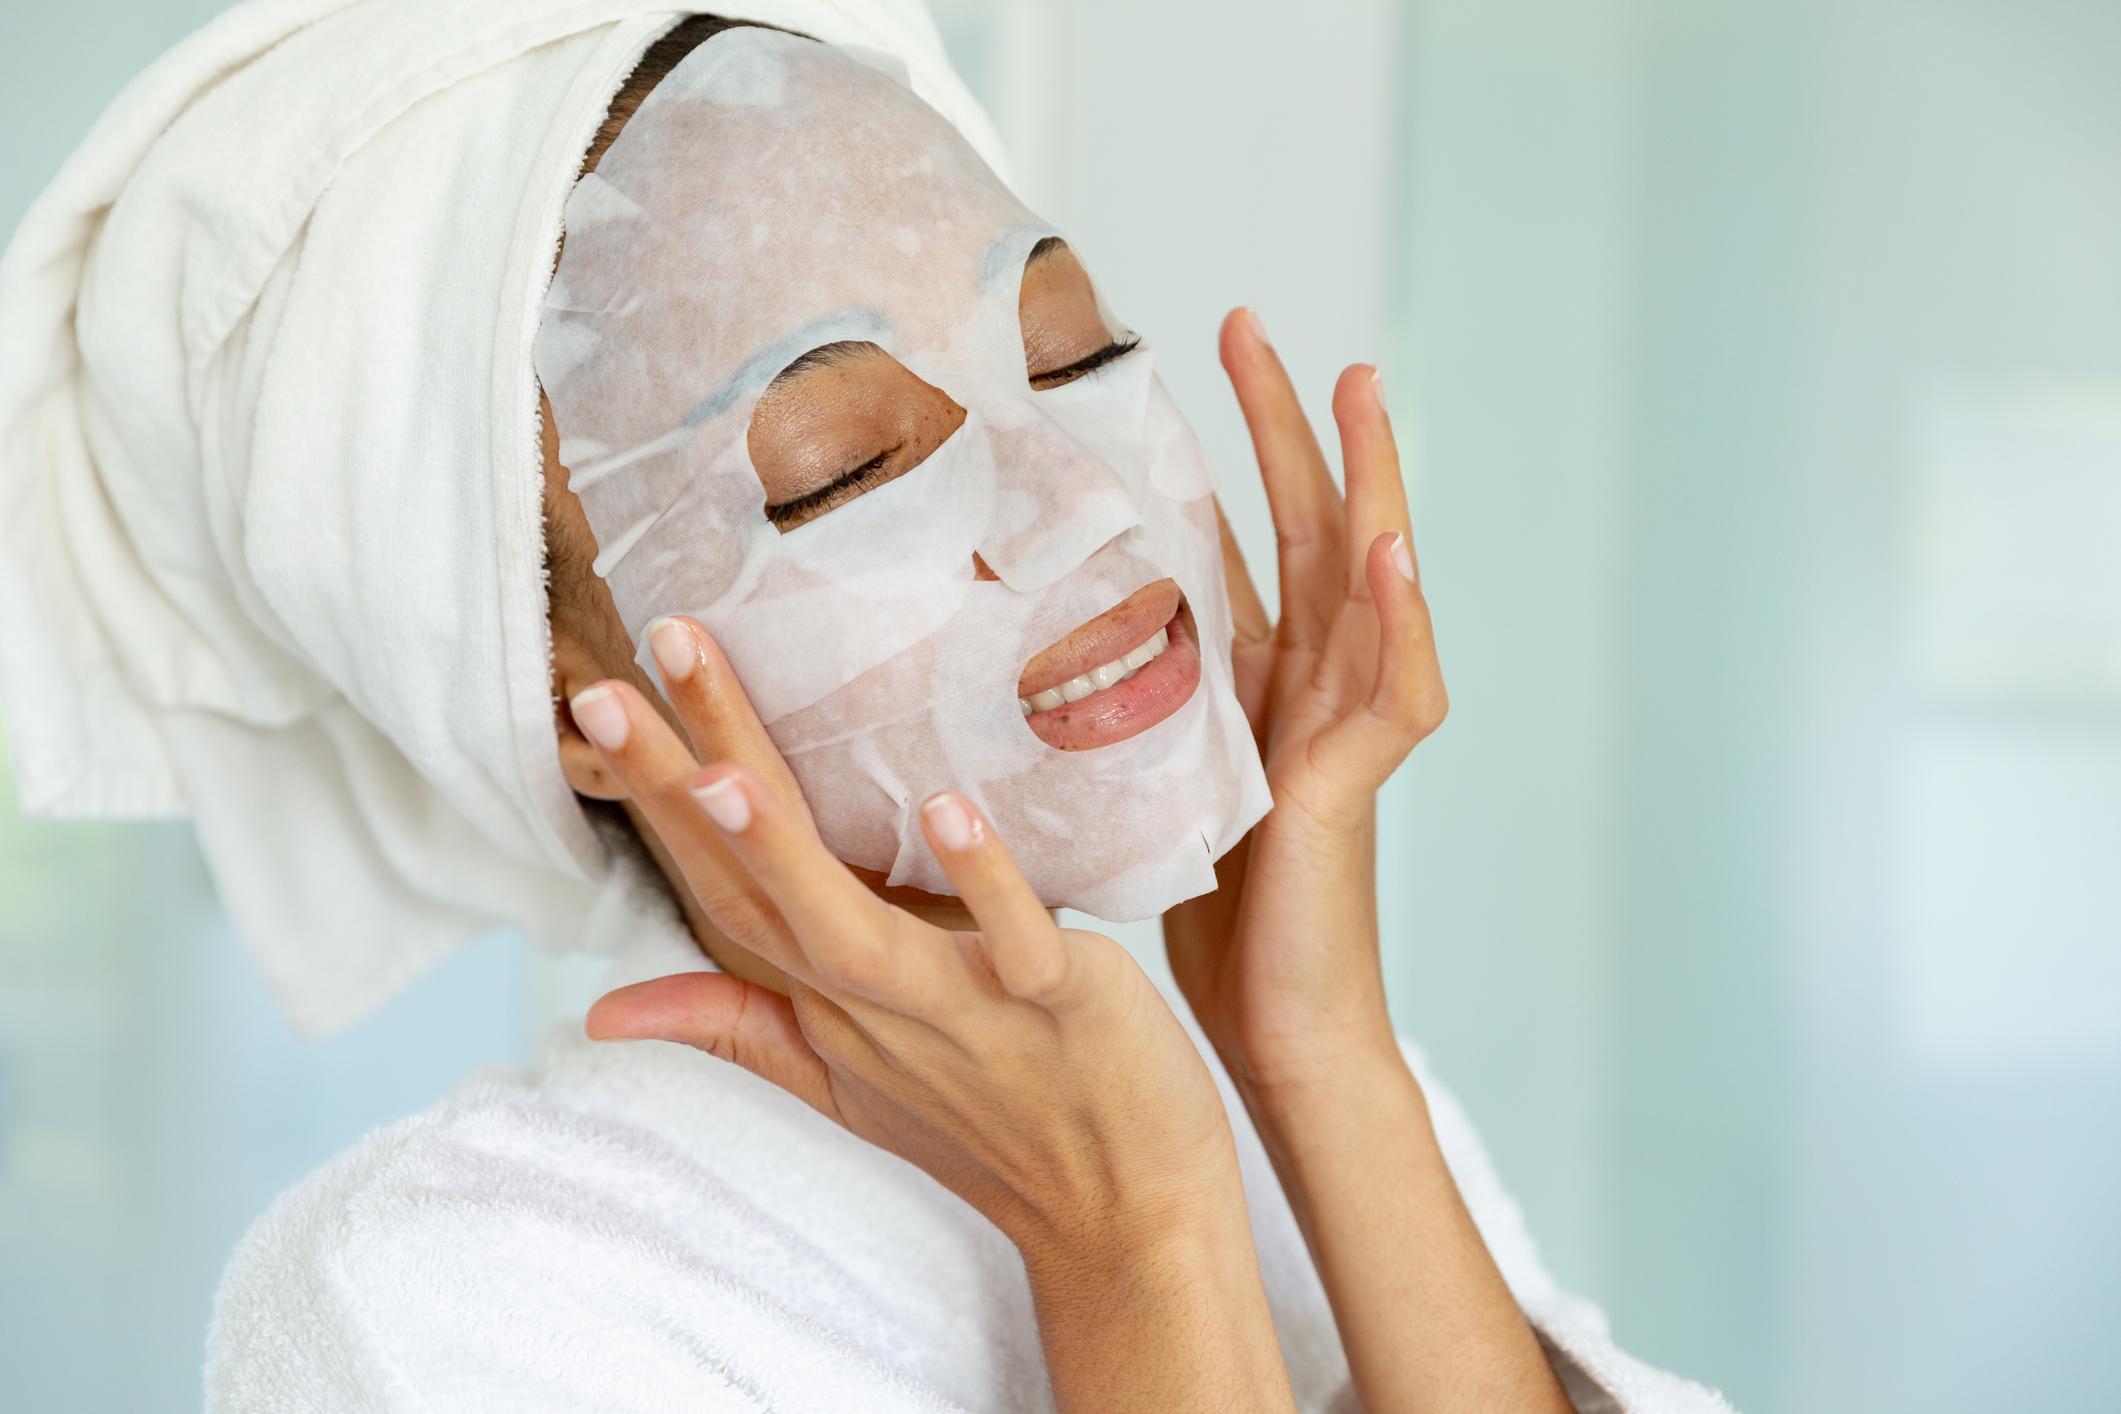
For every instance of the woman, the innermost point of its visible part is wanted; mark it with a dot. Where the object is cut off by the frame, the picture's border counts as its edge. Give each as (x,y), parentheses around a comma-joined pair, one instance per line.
(274,582)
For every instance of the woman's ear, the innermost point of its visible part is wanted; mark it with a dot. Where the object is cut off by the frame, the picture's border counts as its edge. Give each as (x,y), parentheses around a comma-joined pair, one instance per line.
(574,668)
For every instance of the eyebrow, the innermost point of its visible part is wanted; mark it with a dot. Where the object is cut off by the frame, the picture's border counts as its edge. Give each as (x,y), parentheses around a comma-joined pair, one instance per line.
(832,355)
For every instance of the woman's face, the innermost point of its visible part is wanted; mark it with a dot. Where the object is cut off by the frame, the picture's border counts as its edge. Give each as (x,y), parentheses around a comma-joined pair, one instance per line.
(843,420)
(825,385)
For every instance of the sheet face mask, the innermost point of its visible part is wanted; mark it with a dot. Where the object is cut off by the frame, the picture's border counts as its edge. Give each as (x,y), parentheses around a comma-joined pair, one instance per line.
(773,195)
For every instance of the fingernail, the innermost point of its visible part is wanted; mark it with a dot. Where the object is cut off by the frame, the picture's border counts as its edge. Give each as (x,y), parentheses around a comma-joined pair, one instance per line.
(1377,386)
(601,716)
(674,651)
(955,828)
(725,804)
(1259,330)
(1402,557)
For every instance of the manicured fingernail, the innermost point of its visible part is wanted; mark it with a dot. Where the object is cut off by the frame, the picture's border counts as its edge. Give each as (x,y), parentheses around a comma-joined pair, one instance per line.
(601,716)
(1377,386)
(725,804)
(1402,557)
(1259,330)
(674,650)
(954,826)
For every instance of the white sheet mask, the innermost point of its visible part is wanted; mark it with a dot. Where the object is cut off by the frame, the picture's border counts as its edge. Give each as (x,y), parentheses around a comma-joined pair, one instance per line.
(773,195)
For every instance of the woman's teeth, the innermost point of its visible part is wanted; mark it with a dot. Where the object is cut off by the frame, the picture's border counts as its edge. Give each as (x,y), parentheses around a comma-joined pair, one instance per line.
(1098,678)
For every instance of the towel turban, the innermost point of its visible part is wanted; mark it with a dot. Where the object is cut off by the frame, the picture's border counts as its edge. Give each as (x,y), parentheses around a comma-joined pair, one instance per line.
(270,473)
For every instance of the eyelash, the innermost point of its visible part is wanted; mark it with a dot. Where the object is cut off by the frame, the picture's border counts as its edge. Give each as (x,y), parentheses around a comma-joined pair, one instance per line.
(1084,367)
(824,498)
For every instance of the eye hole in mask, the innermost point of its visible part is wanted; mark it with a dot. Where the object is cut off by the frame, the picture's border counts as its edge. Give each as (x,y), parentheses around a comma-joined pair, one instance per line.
(847,417)
(843,419)
(1066,332)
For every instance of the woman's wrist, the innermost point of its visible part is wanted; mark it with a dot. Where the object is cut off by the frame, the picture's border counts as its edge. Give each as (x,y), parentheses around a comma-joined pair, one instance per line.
(1348,1043)
(1168,1314)
(1311,1002)
(1315,1109)
(1425,1316)
(1131,1226)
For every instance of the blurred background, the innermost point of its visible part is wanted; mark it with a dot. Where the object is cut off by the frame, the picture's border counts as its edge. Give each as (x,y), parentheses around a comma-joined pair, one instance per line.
(1759,366)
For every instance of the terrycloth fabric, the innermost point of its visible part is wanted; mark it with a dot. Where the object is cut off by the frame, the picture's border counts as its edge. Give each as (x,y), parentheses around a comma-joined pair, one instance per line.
(270,542)
(640,1227)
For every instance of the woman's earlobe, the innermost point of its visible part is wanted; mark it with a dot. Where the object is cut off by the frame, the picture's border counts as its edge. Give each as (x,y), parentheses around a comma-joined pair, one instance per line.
(575,667)
(580,762)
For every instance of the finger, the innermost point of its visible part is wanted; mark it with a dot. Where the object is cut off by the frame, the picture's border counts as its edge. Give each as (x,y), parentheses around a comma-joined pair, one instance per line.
(853,942)
(1300,490)
(1248,615)
(1377,493)
(738,1021)
(645,754)
(1024,945)
(1252,651)
(1407,702)
(716,711)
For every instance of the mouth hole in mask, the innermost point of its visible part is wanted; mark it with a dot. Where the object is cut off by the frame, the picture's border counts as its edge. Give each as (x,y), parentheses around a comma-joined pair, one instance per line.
(1116,676)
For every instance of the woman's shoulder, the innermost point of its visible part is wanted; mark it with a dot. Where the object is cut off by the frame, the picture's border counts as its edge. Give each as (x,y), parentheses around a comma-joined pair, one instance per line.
(602,1140)
(413,1228)
(638,1206)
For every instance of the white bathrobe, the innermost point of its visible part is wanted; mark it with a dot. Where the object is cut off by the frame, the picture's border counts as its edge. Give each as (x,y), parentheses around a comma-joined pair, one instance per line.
(639,1226)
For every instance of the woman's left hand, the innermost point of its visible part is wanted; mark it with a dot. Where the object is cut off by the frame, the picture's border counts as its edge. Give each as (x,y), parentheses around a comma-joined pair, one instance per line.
(1280,963)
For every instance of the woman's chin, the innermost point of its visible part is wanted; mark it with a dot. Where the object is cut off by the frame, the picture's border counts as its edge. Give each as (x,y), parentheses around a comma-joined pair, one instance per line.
(919,902)
(1127,709)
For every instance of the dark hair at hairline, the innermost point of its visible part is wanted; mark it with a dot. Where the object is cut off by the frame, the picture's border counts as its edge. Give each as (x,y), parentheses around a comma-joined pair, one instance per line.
(661,57)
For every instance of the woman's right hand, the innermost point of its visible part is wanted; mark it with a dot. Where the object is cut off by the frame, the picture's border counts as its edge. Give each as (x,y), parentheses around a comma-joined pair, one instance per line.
(1033,1070)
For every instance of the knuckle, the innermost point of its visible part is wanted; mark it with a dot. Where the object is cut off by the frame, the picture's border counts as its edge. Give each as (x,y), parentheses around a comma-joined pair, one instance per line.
(824,1027)
(1430,712)
(1036,975)
(737,907)
(860,966)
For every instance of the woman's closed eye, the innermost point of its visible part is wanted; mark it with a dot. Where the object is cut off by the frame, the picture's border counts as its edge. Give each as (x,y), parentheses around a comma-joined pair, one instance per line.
(843,488)
(1086,365)
(846,418)
(1064,329)
(841,421)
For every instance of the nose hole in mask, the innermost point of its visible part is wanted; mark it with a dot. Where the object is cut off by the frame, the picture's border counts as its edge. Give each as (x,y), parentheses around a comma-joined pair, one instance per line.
(980,570)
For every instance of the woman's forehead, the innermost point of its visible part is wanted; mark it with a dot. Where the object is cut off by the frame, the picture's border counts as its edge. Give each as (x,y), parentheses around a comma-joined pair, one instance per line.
(791,135)
(773,195)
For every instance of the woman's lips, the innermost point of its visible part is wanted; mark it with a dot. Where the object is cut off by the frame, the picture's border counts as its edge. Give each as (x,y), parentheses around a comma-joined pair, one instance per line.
(1111,635)
(1160,680)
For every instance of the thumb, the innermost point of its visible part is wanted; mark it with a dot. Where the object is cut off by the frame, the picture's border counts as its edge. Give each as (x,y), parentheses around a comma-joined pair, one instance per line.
(738,1021)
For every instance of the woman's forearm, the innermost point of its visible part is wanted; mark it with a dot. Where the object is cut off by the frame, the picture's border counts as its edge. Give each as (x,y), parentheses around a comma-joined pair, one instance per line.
(1423,1312)
(1174,1319)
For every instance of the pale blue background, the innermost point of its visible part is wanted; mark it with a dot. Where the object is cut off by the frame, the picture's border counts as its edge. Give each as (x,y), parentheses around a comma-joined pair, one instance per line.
(1774,940)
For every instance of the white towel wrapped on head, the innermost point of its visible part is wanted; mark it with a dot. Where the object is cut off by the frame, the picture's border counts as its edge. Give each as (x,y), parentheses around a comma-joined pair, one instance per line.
(271,549)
